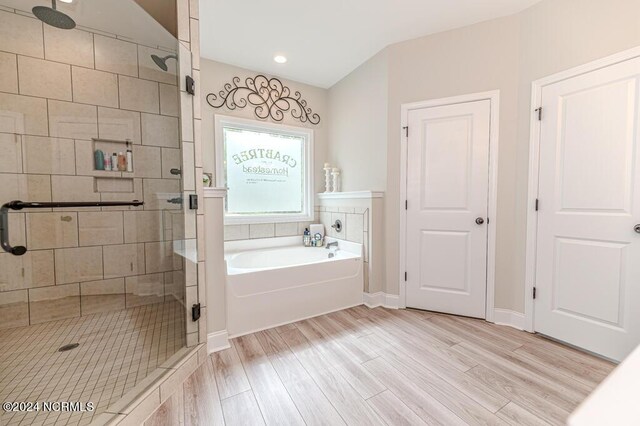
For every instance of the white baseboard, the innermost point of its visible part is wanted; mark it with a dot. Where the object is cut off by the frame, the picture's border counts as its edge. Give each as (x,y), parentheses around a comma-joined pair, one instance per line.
(373,300)
(508,317)
(217,341)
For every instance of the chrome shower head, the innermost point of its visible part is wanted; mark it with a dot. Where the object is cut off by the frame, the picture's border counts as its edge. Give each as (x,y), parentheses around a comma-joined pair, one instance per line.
(162,62)
(52,16)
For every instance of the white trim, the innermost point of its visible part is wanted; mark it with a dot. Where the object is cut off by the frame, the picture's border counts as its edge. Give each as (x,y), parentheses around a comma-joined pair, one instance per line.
(217,341)
(508,317)
(350,195)
(215,192)
(494,97)
(534,164)
(309,200)
(374,300)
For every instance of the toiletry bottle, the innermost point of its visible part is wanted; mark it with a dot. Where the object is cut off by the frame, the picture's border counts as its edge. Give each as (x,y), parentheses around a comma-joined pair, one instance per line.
(107,163)
(122,162)
(114,162)
(129,157)
(306,238)
(99,158)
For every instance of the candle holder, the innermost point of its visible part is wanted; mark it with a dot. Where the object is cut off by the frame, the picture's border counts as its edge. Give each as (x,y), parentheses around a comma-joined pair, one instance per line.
(335,173)
(327,177)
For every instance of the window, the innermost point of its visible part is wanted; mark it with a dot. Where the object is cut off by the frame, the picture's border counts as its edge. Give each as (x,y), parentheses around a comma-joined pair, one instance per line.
(267,169)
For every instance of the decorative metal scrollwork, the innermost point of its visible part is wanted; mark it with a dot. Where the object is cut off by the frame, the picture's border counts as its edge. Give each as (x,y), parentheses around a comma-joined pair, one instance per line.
(268,96)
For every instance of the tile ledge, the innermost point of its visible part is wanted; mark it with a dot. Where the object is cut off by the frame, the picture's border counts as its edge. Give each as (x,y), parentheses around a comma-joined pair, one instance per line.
(215,192)
(350,195)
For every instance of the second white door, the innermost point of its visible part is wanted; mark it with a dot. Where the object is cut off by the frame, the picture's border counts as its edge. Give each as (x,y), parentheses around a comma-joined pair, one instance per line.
(447,204)
(588,240)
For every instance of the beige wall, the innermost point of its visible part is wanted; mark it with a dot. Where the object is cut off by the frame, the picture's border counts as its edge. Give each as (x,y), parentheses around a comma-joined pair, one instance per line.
(554,36)
(474,59)
(163,11)
(214,76)
(358,126)
(505,54)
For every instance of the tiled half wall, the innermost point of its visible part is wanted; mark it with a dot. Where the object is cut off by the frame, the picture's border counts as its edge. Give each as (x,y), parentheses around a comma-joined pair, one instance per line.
(361,223)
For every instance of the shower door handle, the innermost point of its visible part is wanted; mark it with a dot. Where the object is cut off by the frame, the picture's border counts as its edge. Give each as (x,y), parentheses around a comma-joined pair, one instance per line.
(19,205)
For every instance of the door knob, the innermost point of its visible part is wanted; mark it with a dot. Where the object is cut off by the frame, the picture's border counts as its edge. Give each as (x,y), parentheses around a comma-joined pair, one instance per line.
(637,228)
(479,221)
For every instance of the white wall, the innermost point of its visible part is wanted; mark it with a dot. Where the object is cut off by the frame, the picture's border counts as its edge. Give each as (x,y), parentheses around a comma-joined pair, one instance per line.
(358,126)
(506,54)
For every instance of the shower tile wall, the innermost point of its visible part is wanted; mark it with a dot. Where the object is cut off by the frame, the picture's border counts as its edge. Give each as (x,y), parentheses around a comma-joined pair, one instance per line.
(58,90)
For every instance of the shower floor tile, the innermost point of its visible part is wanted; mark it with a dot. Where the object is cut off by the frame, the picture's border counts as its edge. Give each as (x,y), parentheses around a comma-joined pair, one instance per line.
(117,350)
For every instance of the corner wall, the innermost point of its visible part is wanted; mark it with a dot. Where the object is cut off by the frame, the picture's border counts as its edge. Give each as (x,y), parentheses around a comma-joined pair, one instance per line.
(358,112)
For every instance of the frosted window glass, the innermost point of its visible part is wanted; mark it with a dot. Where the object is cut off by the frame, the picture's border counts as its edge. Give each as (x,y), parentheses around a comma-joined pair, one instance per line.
(265,172)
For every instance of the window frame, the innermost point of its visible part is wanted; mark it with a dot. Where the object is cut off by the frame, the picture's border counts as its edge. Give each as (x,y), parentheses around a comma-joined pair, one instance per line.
(220,121)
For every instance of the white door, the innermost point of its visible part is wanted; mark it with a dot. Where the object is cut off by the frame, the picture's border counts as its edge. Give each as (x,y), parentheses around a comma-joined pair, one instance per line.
(447,190)
(588,254)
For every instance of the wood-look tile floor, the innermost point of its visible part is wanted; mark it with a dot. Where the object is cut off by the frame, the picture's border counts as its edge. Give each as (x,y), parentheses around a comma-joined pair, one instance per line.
(376,366)
(117,350)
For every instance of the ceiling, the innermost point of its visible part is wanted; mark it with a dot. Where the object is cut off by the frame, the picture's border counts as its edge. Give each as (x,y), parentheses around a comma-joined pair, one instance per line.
(121,17)
(326,40)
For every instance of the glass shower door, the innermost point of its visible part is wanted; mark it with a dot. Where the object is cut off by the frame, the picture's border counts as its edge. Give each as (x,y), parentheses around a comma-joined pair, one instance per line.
(92,283)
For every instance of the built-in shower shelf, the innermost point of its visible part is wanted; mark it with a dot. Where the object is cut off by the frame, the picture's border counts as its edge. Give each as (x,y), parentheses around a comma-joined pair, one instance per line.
(108,147)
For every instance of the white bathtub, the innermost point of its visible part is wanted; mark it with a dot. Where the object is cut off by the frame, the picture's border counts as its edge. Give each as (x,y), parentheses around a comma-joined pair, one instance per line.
(277,281)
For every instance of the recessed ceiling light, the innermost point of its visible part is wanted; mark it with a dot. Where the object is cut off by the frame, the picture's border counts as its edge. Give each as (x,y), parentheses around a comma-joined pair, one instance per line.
(66,1)
(280,59)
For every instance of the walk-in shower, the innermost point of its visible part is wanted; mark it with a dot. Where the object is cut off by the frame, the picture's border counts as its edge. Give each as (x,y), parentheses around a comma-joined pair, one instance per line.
(92,260)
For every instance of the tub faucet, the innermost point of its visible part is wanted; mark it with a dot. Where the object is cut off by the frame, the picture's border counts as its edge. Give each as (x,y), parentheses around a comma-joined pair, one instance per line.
(333,244)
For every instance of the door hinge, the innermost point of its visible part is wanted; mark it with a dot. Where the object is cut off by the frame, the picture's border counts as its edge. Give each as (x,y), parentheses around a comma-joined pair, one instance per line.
(534,293)
(405,276)
(537,204)
(406,131)
(190,85)
(193,202)
(406,204)
(195,312)
(539,111)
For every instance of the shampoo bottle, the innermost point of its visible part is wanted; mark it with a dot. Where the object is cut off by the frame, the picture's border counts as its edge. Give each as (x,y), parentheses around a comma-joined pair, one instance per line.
(306,238)
(129,157)
(122,162)
(99,158)
(114,162)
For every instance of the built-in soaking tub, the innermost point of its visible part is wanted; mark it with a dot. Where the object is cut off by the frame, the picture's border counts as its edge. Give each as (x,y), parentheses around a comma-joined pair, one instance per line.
(271,282)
